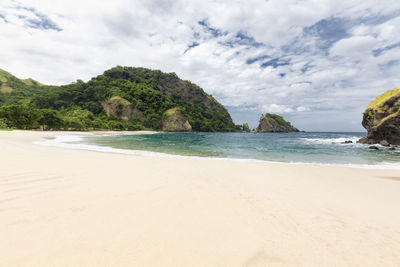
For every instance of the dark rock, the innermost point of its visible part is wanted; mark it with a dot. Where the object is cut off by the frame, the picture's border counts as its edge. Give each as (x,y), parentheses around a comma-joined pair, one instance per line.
(384,143)
(392,148)
(363,140)
(347,142)
(373,147)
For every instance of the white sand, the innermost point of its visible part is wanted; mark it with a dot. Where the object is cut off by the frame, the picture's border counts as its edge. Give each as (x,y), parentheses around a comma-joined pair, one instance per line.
(65,207)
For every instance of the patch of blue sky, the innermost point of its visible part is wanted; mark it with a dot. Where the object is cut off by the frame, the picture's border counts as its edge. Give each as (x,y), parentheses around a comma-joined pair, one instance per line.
(255,59)
(242,39)
(276,62)
(193,45)
(380,51)
(40,21)
(214,31)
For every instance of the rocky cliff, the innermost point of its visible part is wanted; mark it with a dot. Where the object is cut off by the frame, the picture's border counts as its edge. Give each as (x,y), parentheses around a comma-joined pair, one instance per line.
(122,109)
(382,119)
(274,123)
(175,121)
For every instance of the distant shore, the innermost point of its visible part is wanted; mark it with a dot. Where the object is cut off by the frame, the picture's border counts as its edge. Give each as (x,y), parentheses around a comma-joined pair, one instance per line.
(67,207)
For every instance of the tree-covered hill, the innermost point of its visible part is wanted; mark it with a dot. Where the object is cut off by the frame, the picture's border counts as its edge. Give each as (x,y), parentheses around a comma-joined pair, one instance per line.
(123,98)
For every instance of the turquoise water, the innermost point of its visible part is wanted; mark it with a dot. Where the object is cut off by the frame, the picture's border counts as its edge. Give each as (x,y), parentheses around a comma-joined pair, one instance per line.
(325,148)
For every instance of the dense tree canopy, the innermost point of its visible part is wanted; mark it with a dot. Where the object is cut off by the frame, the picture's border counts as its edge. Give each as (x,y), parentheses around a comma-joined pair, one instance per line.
(79,105)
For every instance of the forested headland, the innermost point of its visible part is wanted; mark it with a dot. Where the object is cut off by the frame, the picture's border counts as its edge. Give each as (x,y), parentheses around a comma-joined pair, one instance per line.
(122,98)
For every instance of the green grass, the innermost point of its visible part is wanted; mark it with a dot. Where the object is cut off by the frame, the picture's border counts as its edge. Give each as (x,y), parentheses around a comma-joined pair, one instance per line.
(4,77)
(5,89)
(379,100)
(119,100)
(279,119)
(171,111)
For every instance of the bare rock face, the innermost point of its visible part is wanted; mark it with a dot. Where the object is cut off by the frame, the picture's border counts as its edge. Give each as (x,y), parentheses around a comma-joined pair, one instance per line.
(274,123)
(175,121)
(382,119)
(122,109)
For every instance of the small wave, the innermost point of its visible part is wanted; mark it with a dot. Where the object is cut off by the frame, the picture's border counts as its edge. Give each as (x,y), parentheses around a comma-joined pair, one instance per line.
(71,141)
(339,140)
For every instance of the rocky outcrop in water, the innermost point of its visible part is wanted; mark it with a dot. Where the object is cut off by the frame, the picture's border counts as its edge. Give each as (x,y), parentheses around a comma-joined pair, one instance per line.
(382,119)
(245,127)
(175,121)
(275,123)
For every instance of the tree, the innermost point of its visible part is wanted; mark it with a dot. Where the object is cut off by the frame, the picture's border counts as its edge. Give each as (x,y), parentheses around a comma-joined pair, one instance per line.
(51,118)
(21,116)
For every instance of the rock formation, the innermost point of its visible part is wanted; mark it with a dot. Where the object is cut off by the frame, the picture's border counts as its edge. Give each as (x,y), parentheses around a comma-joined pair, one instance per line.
(175,121)
(274,123)
(122,109)
(245,127)
(382,119)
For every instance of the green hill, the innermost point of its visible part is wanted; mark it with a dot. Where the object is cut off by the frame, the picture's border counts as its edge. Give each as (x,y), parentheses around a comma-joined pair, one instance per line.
(124,98)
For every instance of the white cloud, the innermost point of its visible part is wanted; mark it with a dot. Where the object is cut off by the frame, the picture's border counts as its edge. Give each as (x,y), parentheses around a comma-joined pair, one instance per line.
(354,46)
(339,68)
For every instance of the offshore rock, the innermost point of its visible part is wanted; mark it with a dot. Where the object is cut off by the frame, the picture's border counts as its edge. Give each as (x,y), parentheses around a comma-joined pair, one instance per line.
(274,123)
(175,121)
(245,127)
(382,119)
(384,143)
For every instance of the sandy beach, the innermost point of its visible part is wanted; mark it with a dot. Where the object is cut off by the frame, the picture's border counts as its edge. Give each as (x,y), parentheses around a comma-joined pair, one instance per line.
(67,207)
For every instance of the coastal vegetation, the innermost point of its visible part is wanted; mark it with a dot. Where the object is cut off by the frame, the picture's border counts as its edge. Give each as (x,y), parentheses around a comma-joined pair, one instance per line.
(122,98)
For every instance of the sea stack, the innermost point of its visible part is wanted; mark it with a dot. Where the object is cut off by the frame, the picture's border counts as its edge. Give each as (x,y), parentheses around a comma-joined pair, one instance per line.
(382,119)
(175,121)
(274,123)
(246,127)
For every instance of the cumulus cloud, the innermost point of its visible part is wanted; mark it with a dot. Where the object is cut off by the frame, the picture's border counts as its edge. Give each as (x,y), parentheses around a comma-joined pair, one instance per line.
(303,59)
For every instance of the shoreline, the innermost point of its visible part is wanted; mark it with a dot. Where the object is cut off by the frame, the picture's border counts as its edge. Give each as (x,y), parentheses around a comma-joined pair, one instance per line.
(68,207)
(107,149)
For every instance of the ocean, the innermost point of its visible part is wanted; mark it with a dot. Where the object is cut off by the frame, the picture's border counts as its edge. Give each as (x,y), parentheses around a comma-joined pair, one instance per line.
(304,147)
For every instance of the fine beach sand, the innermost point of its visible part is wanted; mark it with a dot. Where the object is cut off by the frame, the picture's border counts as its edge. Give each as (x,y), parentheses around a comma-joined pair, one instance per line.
(66,207)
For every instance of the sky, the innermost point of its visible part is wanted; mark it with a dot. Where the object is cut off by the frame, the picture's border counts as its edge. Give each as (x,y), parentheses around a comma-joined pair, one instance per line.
(318,63)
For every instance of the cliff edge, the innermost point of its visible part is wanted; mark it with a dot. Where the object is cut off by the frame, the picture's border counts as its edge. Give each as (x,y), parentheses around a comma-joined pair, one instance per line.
(382,119)
(175,121)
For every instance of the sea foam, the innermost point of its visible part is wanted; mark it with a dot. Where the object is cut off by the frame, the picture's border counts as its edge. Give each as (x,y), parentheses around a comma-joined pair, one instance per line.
(78,142)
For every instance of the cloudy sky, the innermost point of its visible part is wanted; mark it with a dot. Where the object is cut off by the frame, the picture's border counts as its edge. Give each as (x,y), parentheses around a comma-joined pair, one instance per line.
(316,62)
